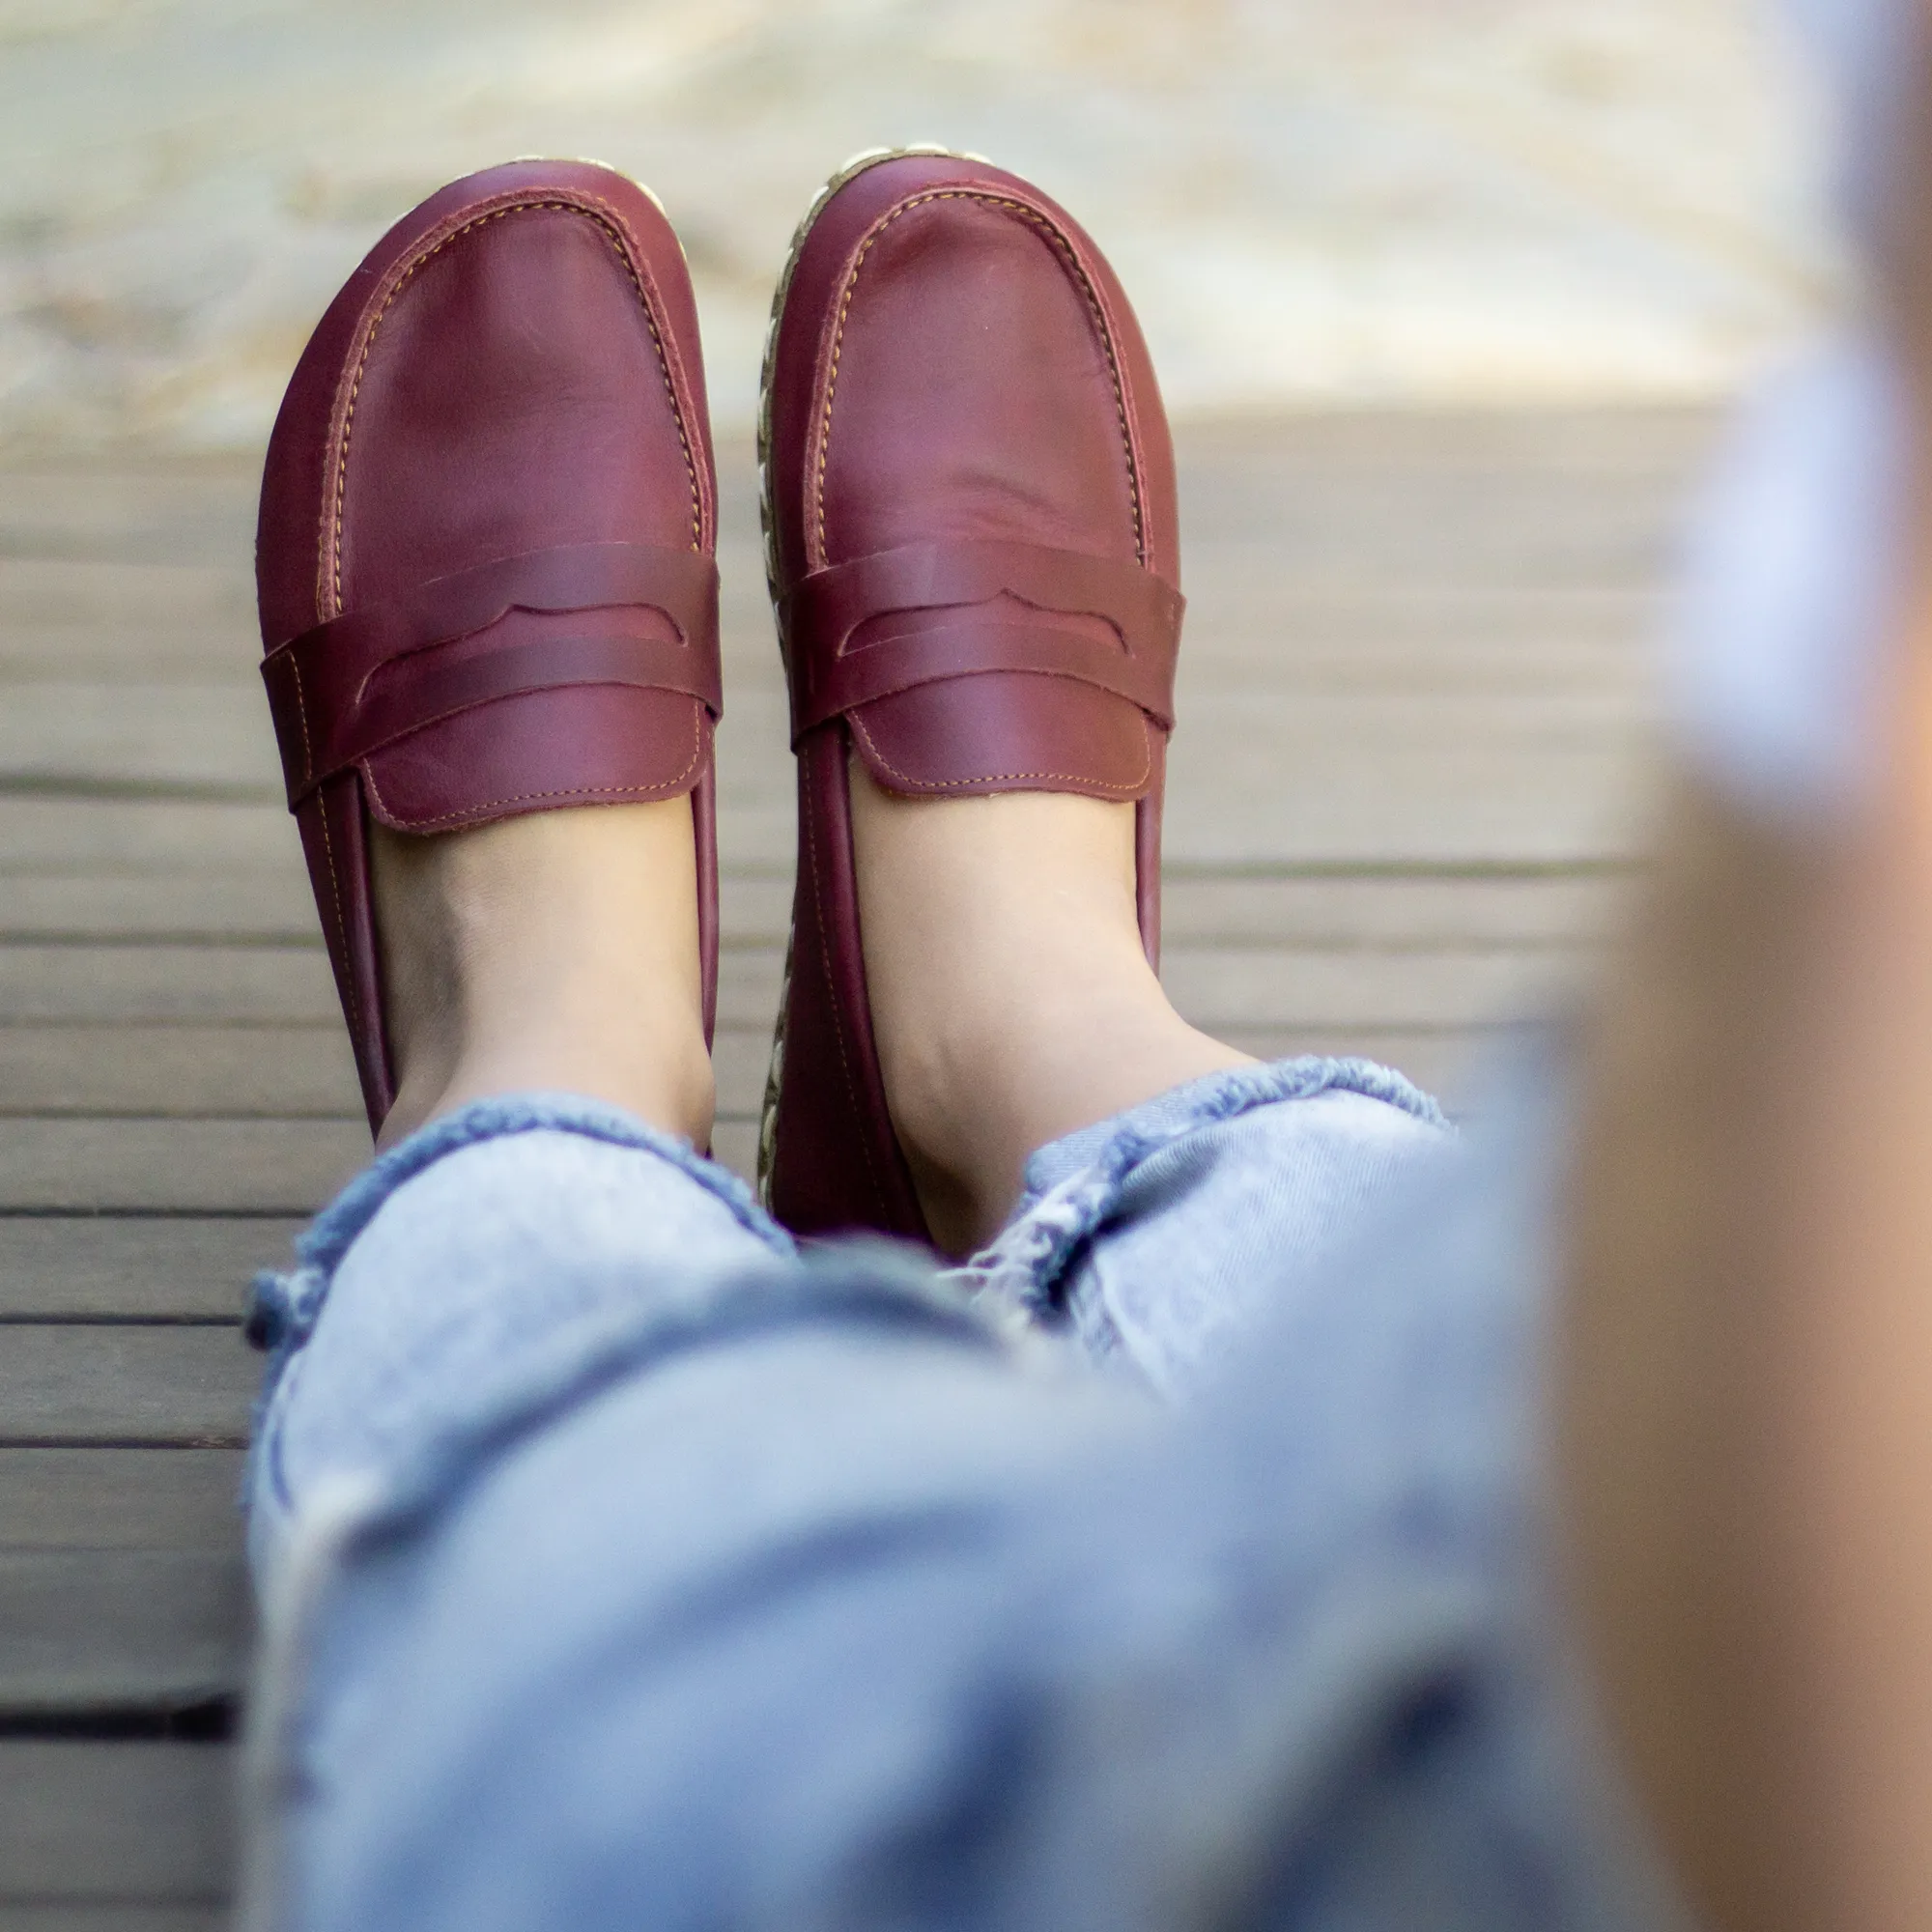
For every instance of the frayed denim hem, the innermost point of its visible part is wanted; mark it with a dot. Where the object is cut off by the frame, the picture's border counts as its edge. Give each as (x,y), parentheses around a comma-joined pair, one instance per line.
(1072,1184)
(283,1309)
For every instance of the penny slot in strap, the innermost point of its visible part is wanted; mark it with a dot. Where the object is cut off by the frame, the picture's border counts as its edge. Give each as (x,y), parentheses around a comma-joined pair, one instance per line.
(349,687)
(392,708)
(1143,612)
(970,648)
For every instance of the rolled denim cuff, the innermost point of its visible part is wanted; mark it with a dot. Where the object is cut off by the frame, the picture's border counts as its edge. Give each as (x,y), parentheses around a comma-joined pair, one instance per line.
(1074,1184)
(560,1356)
(283,1308)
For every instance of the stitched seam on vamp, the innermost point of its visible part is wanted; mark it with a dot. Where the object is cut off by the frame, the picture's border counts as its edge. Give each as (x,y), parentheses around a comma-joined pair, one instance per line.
(530,797)
(809,818)
(604,216)
(301,712)
(1062,247)
(1003,778)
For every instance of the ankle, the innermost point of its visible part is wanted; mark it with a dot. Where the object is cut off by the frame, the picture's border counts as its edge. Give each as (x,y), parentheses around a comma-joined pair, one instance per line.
(664,1077)
(1012,999)
(555,952)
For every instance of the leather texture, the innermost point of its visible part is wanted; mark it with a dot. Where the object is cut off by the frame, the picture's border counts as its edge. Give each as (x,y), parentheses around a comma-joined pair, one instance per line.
(975,557)
(486,555)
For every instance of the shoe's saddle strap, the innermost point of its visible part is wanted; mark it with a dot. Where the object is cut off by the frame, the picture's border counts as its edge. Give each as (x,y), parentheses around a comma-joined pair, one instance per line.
(1135,659)
(348,688)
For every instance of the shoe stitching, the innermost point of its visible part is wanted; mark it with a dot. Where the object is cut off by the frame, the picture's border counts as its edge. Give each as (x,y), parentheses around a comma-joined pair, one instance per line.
(301,712)
(858,724)
(858,1112)
(1062,247)
(602,215)
(532,796)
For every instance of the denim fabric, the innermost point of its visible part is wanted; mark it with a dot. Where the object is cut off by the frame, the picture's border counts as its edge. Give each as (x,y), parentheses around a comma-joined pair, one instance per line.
(1110,1228)
(544,1217)
(620,1567)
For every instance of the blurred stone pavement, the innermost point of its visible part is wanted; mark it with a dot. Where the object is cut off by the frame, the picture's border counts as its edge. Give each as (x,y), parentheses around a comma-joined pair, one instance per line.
(1312,202)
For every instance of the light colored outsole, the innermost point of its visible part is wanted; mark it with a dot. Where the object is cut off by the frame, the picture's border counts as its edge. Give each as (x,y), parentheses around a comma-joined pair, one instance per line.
(852,167)
(644,189)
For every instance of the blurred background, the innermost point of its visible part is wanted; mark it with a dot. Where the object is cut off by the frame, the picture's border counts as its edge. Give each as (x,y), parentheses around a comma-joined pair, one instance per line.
(1313,202)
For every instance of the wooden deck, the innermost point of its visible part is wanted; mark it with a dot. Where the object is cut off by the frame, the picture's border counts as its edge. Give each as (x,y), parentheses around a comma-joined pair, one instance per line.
(1413,709)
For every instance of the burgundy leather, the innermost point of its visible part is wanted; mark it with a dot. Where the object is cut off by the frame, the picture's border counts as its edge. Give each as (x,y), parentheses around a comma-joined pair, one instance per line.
(1134,661)
(977,559)
(383,671)
(485,560)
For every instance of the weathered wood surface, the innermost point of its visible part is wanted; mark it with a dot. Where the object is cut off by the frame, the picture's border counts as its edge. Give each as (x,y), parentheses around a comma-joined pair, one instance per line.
(69,1382)
(122,1836)
(1414,712)
(145,1539)
(89,1268)
(42,1916)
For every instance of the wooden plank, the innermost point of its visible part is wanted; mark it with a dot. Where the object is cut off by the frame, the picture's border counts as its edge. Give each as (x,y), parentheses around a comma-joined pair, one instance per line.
(123,1586)
(18,1916)
(1242,605)
(1390,914)
(270,904)
(179,651)
(1448,1062)
(95,1500)
(140,732)
(177,509)
(80,1384)
(119,1631)
(82,981)
(118,1828)
(1327,539)
(117,594)
(94,1267)
(1667,442)
(37,1916)
(180,1071)
(1261,779)
(69,835)
(1304,987)
(254,1166)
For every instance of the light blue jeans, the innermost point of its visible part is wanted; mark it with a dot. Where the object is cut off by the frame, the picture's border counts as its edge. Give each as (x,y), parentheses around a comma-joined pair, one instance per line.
(1174,1565)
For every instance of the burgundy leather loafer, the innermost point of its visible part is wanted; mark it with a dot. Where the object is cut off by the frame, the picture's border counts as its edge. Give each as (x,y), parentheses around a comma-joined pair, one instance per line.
(486,554)
(973,547)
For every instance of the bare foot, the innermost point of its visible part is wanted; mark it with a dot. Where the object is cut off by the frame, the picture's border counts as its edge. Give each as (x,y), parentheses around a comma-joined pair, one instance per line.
(1011,997)
(554,951)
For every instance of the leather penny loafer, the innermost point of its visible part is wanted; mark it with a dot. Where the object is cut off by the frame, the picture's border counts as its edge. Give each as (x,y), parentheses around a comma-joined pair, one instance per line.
(972,546)
(486,553)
